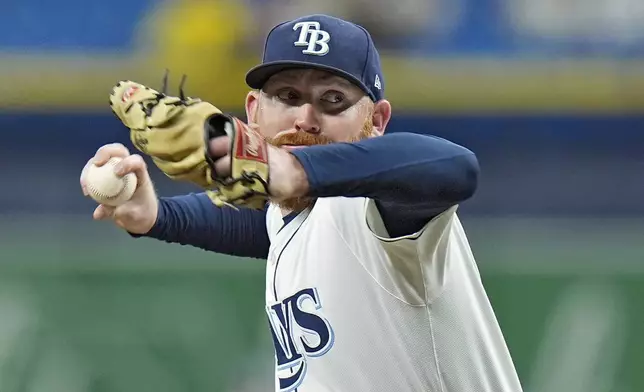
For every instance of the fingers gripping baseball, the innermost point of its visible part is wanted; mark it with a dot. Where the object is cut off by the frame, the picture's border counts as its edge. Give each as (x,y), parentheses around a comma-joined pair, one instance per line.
(136,213)
(128,164)
(108,151)
(136,165)
(102,156)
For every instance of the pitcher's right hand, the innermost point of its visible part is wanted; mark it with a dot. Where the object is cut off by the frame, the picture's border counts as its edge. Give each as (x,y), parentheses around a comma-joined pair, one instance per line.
(139,214)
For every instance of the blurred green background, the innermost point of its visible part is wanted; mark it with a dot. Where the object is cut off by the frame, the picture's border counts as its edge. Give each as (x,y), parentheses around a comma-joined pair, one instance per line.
(550,95)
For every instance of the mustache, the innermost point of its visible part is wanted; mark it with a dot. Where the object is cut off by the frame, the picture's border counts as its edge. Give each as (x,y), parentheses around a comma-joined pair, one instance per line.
(299,139)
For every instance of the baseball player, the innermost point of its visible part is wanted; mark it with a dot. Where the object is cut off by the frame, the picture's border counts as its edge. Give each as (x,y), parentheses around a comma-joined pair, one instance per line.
(370,282)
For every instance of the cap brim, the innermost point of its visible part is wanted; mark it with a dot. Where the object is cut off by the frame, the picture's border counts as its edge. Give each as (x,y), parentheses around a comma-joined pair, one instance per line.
(259,75)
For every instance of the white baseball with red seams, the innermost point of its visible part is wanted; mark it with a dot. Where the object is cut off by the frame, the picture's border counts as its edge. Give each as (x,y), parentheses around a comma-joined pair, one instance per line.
(104,186)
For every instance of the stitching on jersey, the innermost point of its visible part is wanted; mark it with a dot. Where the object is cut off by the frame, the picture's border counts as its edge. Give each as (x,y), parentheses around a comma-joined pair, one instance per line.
(277,261)
(422,274)
(445,232)
(436,362)
(367,271)
(414,237)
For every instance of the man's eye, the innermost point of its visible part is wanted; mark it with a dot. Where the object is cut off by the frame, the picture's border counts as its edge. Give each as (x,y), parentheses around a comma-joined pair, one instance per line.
(333,98)
(287,95)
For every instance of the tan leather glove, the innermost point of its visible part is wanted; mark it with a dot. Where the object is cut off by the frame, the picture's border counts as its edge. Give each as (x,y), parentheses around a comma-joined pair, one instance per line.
(175,133)
(168,129)
(247,184)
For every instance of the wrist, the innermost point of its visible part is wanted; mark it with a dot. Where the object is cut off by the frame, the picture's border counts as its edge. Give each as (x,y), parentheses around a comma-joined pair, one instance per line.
(298,177)
(152,221)
(288,178)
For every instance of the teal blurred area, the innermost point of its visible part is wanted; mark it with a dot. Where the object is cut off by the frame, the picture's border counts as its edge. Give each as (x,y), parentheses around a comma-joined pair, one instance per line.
(549,94)
(86,308)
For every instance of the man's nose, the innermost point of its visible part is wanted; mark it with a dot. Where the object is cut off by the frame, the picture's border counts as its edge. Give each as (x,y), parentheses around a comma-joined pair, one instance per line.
(307,119)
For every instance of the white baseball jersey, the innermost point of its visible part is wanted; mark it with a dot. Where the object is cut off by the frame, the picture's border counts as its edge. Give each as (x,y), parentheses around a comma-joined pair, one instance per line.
(351,309)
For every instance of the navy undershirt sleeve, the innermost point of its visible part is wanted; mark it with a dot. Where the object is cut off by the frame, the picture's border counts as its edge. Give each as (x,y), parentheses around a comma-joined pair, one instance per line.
(193,220)
(411,177)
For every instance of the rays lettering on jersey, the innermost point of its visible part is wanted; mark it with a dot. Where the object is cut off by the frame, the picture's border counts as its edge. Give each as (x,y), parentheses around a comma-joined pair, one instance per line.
(299,332)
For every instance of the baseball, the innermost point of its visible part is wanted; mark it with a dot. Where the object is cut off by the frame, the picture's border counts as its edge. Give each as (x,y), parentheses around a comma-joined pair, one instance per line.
(104,186)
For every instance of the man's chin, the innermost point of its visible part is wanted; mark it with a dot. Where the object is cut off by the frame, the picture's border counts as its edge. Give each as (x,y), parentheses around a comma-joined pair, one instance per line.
(297,204)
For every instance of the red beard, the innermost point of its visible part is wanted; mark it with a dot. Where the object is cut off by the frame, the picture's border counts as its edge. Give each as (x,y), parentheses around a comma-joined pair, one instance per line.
(302,138)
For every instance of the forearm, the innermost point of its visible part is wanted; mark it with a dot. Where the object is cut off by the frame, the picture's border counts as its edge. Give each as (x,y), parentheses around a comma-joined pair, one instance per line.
(193,220)
(411,177)
(405,169)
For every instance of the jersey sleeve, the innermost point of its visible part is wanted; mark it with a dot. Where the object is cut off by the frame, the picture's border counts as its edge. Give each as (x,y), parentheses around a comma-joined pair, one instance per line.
(193,220)
(425,250)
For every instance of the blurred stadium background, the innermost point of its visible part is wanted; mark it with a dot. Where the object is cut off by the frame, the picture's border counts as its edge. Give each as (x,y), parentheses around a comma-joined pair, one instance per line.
(549,94)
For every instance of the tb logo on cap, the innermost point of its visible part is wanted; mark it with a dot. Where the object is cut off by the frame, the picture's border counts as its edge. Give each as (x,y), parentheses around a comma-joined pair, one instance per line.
(311,36)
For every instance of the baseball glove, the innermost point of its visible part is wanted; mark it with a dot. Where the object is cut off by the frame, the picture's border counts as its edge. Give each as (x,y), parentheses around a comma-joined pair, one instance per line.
(247,184)
(175,132)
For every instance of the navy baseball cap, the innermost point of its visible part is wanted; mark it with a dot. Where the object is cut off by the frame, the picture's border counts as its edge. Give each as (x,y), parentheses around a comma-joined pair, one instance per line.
(322,42)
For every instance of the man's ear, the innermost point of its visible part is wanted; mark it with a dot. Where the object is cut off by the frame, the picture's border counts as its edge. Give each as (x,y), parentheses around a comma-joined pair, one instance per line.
(252,106)
(381,116)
